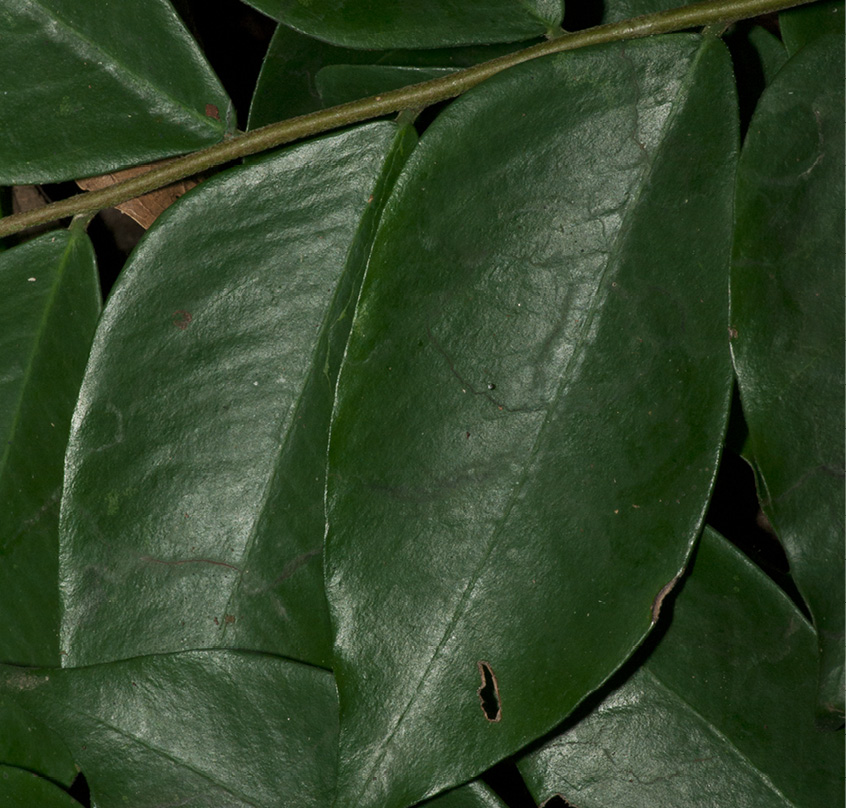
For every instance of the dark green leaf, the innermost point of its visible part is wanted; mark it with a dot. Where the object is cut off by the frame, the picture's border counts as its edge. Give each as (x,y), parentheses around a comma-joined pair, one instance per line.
(473,795)
(721,713)
(799,26)
(616,10)
(50,303)
(338,84)
(770,51)
(193,506)
(286,85)
(26,743)
(787,325)
(531,407)
(88,90)
(201,728)
(23,789)
(376,24)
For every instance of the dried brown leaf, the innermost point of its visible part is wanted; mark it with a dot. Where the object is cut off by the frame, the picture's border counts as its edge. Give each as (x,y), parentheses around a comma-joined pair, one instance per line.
(143,209)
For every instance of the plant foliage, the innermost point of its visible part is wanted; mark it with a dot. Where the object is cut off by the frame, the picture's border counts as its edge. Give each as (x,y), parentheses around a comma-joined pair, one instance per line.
(389,472)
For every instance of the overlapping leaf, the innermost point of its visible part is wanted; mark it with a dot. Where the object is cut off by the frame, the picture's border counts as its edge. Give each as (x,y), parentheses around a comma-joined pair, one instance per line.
(193,507)
(287,83)
(204,728)
(375,24)
(721,713)
(338,84)
(473,795)
(90,86)
(23,789)
(787,319)
(799,26)
(50,304)
(531,406)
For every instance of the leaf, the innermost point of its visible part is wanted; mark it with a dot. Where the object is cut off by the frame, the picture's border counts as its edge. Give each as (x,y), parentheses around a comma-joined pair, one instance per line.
(531,406)
(51,301)
(23,789)
(205,728)
(92,87)
(787,321)
(616,10)
(26,743)
(143,209)
(338,84)
(800,26)
(472,795)
(286,85)
(379,24)
(770,51)
(193,505)
(721,712)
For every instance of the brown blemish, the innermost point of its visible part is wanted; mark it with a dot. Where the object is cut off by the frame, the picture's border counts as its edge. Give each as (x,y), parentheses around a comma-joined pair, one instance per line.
(182,319)
(229,619)
(489,693)
(212,112)
(732,332)
(659,598)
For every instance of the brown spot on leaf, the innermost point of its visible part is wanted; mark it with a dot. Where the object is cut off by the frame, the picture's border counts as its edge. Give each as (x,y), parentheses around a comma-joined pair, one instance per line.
(229,619)
(182,319)
(212,112)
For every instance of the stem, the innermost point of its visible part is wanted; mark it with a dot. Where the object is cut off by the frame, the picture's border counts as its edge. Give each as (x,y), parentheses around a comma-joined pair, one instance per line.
(415,96)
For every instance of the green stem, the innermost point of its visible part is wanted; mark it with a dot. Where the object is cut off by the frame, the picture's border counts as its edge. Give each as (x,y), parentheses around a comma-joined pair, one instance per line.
(415,96)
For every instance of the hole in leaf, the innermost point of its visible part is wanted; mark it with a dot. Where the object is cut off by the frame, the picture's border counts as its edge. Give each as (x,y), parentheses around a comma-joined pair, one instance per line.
(556,801)
(489,693)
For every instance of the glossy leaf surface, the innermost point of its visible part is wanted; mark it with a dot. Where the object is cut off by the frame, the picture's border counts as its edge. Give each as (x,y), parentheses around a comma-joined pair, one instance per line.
(377,24)
(531,406)
(122,83)
(50,304)
(721,713)
(286,86)
(23,789)
(799,26)
(473,795)
(202,728)
(787,319)
(193,507)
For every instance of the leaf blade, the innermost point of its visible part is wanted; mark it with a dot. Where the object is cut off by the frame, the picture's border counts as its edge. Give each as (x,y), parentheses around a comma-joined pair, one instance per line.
(786,276)
(194,486)
(92,98)
(443,520)
(210,727)
(381,24)
(721,711)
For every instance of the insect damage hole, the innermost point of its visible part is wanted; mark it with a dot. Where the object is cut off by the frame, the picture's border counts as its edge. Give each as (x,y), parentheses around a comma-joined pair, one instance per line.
(489,693)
